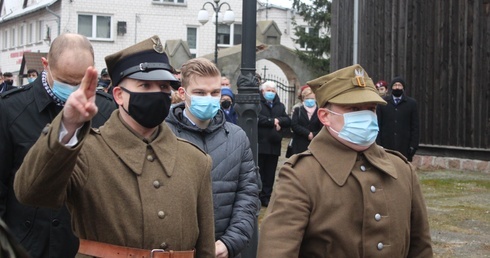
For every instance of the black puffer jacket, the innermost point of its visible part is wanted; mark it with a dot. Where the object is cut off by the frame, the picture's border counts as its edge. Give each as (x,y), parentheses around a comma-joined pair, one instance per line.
(24,112)
(234,175)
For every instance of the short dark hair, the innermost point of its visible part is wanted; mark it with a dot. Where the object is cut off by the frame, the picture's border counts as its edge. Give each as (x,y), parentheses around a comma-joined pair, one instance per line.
(32,71)
(8,74)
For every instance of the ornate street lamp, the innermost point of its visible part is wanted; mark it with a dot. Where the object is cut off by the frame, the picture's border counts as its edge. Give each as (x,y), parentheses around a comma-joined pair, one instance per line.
(218,18)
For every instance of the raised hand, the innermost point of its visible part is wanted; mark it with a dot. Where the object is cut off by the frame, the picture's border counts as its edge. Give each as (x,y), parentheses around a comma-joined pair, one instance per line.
(80,106)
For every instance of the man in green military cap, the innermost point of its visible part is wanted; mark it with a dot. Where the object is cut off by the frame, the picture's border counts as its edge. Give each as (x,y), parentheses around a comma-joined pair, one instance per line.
(346,196)
(133,188)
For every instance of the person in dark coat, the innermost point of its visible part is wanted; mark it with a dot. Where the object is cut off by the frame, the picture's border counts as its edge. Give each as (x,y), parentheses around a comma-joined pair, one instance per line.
(234,174)
(399,121)
(305,124)
(272,121)
(227,105)
(26,110)
(6,82)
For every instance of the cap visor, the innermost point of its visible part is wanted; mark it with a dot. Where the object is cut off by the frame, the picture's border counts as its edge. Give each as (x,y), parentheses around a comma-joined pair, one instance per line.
(358,97)
(154,75)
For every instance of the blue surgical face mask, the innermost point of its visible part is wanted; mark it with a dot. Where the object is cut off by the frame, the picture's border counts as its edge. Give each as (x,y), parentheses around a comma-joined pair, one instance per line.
(62,90)
(269,95)
(360,127)
(309,102)
(204,107)
(30,79)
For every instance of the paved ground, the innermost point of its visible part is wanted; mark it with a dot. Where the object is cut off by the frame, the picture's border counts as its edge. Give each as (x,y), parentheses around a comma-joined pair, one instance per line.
(458,204)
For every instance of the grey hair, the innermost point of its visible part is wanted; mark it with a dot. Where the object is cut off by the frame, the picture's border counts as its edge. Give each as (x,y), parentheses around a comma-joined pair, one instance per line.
(268,84)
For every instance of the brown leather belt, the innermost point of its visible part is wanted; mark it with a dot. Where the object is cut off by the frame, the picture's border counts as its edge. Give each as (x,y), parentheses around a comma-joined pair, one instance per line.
(103,250)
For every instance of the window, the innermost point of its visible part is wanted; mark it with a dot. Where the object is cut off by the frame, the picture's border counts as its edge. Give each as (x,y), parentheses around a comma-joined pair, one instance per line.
(21,35)
(5,41)
(30,33)
(39,31)
(12,37)
(192,40)
(170,1)
(308,32)
(95,26)
(229,35)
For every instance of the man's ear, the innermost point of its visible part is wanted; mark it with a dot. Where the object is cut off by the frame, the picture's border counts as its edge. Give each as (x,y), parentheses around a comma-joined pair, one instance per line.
(44,61)
(117,94)
(324,116)
(181,93)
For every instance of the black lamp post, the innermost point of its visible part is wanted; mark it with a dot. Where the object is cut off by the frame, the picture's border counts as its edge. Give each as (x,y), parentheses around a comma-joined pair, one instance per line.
(247,99)
(227,18)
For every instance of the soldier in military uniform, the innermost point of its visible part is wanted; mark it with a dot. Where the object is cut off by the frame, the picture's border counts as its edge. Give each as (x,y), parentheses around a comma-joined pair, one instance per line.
(133,188)
(25,111)
(346,196)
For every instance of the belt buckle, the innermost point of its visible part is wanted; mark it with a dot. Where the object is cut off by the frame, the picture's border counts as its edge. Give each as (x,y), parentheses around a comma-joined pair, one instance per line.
(153,251)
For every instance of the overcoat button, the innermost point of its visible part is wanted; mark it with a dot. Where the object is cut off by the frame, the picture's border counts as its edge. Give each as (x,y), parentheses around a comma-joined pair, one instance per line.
(55,222)
(380,246)
(156,184)
(363,168)
(373,189)
(45,130)
(164,245)
(149,158)
(377,217)
(161,214)
(27,223)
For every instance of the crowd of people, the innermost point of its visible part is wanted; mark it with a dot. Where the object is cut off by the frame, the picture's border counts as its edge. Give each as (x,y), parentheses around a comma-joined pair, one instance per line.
(144,159)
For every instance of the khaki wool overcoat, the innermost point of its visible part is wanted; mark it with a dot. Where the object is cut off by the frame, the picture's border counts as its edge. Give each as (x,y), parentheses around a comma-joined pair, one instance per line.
(332,201)
(122,189)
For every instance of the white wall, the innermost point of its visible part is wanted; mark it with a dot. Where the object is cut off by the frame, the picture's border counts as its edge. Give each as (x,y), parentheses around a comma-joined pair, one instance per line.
(143,19)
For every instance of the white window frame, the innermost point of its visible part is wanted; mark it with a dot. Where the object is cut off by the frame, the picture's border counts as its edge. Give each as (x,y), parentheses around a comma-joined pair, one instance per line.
(22,35)
(193,50)
(30,33)
(13,35)
(39,31)
(94,28)
(231,35)
(5,41)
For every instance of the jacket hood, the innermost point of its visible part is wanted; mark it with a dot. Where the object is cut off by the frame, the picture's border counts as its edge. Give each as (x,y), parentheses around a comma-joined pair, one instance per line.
(177,118)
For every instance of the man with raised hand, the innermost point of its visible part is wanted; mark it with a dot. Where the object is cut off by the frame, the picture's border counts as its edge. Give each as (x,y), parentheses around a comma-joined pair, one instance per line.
(123,183)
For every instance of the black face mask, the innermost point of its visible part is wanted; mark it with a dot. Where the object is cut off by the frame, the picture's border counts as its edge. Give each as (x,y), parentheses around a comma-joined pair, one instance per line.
(149,109)
(226,104)
(9,82)
(105,83)
(397,92)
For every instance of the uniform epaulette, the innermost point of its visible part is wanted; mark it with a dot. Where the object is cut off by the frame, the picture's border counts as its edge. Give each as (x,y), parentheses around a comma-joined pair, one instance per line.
(8,93)
(396,153)
(104,94)
(295,158)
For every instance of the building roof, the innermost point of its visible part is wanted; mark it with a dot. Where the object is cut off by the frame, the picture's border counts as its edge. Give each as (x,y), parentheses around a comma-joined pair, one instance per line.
(31,60)
(14,8)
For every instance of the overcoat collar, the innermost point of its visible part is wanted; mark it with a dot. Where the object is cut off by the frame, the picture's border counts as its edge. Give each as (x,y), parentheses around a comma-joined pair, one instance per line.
(338,160)
(132,150)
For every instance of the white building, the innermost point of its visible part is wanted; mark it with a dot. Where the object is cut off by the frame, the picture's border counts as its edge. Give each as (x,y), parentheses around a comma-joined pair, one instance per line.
(31,25)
